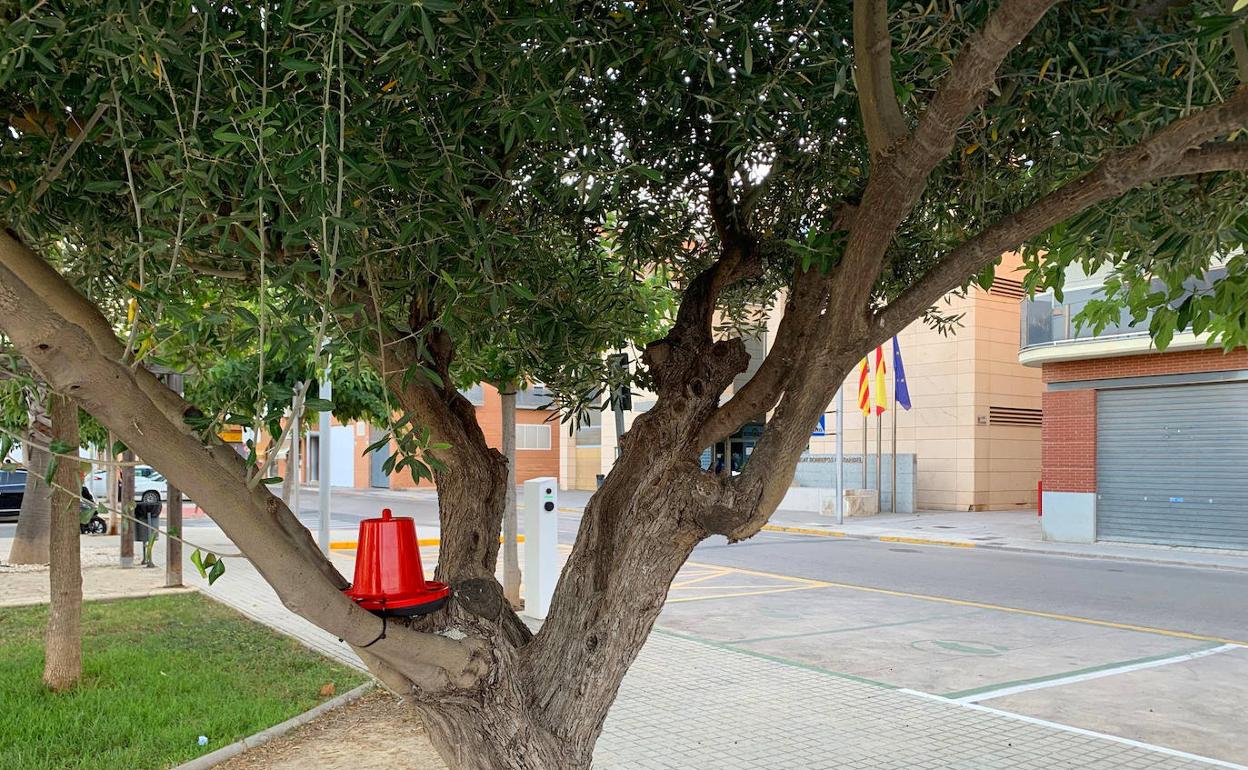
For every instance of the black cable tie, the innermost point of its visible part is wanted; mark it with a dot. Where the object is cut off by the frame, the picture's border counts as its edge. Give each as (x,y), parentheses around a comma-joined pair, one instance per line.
(380,636)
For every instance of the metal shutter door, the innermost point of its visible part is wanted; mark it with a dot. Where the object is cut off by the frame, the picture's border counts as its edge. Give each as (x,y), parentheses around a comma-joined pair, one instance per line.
(1172,465)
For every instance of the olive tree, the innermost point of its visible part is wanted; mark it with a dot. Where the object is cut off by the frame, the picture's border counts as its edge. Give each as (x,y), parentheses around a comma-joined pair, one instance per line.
(851,162)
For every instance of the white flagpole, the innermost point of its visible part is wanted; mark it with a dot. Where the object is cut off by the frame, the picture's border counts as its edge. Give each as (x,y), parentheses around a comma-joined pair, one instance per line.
(894,468)
(840,454)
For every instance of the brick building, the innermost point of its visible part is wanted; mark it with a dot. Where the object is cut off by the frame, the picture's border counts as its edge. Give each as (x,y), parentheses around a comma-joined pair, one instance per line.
(1138,446)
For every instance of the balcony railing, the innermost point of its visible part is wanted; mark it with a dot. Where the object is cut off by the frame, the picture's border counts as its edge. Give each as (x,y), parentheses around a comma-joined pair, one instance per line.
(1045,321)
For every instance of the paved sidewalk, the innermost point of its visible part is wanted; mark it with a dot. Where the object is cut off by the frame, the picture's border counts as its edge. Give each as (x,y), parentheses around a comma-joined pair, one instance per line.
(693,704)
(1013,530)
(102,576)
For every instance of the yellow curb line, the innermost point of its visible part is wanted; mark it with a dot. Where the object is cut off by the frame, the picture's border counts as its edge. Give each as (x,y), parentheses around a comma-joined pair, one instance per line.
(433,542)
(928,541)
(882,538)
(803,531)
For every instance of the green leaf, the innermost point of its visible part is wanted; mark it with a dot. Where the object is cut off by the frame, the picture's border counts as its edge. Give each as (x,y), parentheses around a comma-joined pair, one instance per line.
(299,65)
(197,558)
(218,569)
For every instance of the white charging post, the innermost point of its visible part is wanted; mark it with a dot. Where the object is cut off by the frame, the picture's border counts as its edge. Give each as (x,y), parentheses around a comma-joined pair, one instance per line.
(541,544)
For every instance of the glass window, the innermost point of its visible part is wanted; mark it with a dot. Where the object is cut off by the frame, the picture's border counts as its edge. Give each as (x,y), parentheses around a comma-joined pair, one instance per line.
(533,436)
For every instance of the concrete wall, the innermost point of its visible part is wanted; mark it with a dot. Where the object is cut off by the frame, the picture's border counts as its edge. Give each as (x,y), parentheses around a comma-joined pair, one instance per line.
(965,462)
(814,481)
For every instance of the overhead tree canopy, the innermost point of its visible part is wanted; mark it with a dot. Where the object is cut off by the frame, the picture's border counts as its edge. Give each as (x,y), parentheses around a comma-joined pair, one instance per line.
(454,191)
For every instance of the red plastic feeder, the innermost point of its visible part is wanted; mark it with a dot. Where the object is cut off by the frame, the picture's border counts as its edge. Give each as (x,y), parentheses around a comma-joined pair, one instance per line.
(388,577)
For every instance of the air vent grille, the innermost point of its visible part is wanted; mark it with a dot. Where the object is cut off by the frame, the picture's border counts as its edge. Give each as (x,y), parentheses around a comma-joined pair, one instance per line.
(1004,287)
(1010,415)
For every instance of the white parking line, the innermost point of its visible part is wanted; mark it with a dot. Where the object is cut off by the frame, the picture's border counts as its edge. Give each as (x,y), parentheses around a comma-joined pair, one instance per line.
(1081,731)
(980,696)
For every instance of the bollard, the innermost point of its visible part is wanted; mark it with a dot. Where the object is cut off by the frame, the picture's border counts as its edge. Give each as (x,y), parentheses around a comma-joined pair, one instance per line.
(541,544)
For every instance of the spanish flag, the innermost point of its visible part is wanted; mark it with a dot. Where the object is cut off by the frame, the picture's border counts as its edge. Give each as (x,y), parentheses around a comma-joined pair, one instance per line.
(864,389)
(881,390)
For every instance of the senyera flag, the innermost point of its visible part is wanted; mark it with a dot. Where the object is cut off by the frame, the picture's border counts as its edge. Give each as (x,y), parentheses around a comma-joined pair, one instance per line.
(881,390)
(901,390)
(864,388)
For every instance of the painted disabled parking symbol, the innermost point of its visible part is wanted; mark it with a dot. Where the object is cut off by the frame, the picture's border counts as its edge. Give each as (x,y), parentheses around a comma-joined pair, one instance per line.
(959,647)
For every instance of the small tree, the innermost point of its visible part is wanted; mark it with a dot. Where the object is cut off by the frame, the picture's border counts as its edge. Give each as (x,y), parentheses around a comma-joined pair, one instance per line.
(852,161)
(62,666)
(34,525)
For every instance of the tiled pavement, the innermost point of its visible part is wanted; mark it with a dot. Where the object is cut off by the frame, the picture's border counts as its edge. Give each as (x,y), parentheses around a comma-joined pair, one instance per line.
(687,704)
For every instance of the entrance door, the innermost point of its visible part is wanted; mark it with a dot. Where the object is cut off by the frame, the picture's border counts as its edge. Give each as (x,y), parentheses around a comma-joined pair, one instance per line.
(377,460)
(741,451)
(1170,465)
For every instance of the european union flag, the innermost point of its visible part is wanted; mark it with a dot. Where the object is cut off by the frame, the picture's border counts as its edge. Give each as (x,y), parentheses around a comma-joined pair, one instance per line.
(901,392)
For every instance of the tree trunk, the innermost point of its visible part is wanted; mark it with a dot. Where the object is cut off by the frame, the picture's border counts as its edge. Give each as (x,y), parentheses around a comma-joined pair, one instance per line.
(30,541)
(511,555)
(62,668)
(126,493)
(112,482)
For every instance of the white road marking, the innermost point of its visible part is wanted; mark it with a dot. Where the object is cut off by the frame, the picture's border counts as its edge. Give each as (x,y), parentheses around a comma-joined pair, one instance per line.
(976,697)
(1081,731)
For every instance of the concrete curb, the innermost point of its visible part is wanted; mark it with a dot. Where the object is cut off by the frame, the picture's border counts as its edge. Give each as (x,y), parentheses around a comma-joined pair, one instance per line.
(1040,551)
(214,758)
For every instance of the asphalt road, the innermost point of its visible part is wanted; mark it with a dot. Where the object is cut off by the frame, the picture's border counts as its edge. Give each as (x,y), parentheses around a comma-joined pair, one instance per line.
(1199,601)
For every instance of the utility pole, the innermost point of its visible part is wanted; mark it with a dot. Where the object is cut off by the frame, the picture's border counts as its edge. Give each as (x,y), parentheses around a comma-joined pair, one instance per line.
(295,466)
(323,475)
(511,550)
(173,542)
(621,396)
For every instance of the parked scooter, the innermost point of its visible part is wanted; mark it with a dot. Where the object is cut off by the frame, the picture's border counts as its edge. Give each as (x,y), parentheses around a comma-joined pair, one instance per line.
(94,525)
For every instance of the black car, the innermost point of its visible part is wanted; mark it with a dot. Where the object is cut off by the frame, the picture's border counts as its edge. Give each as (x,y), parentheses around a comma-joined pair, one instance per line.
(13,488)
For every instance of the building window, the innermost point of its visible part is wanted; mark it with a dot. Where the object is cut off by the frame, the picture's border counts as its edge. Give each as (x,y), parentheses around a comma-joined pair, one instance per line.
(533,436)
(590,434)
(533,396)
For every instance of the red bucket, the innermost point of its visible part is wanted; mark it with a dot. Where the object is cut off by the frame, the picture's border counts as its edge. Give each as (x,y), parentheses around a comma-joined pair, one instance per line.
(389,579)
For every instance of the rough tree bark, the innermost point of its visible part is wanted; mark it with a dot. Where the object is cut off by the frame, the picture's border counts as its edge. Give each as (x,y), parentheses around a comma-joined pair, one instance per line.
(30,541)
(62,667)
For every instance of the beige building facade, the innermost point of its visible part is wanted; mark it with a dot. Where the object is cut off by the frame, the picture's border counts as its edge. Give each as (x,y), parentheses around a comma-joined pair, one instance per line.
(975,422)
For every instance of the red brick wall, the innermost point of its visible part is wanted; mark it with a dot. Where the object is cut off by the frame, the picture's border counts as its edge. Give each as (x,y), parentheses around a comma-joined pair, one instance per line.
(1178,362)
(529,463)
(1068,448)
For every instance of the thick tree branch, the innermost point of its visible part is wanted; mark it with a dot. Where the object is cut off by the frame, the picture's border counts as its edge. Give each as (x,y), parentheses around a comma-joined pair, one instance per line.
(66,340)
(873,74)
(898,180)
(793,342)
(968,79)
(1179,149)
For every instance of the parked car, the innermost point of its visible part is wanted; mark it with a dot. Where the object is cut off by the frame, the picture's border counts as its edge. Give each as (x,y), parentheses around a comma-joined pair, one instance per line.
(13,489)
(149,485)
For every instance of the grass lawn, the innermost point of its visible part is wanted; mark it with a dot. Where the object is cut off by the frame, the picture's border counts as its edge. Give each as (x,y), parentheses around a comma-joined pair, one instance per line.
(157,674)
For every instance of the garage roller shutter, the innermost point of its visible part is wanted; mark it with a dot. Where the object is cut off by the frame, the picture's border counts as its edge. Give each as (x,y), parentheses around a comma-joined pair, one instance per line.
(1172,465)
